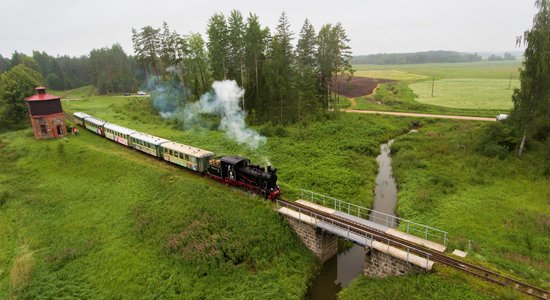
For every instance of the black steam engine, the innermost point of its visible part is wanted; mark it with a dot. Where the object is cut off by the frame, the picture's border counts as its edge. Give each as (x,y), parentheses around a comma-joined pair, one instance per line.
(238,171)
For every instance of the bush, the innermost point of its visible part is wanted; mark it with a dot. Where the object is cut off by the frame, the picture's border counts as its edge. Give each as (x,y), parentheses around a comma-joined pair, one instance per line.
(280,131)
(497,140)
(4,198)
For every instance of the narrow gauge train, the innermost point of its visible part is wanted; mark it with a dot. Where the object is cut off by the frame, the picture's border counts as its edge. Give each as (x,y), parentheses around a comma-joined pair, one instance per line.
(233,170)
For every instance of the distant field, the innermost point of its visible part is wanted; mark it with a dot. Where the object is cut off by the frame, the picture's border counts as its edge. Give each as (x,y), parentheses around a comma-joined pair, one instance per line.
(466,93)
(389,74)
(484,69)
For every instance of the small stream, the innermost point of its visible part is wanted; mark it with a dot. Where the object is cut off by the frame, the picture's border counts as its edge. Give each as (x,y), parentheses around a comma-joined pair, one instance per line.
(339,271)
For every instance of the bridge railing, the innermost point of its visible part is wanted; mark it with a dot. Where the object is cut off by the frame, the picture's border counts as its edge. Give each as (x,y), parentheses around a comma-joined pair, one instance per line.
(368,236)
(414,228)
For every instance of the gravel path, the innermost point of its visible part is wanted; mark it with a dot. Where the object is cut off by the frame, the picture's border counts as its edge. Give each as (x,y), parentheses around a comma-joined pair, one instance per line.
(404,114)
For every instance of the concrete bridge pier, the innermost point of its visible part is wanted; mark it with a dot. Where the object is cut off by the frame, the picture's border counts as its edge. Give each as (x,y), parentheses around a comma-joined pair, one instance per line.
(322,243)
(380,264)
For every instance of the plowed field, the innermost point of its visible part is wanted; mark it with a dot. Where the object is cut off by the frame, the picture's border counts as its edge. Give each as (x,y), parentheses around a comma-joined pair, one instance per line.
(357,86)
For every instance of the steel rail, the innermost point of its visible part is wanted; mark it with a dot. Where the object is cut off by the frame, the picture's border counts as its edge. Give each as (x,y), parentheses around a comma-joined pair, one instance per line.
(452,262)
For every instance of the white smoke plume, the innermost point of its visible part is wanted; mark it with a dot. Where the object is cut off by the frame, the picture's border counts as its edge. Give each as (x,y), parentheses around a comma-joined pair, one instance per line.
(224,102)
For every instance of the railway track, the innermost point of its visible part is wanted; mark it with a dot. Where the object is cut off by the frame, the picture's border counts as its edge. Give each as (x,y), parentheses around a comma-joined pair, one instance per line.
(435,256)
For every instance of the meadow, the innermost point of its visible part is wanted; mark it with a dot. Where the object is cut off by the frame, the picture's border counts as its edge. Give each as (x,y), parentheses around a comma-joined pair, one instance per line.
(480,70)
(88,218)
(466,93)
(477,89)
(491,198)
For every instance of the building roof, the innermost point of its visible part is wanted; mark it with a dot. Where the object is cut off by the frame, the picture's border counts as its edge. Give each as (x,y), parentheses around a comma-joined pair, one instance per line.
(118,128)
(232,159)
(155,140)
(185,149)
(41,95)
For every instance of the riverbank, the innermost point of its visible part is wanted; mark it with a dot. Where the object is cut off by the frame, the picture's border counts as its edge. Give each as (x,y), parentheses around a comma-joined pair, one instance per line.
(498,202)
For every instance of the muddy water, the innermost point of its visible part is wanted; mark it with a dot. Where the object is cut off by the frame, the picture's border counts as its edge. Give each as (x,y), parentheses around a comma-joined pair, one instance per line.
(340,270)
(385,192)
(337,273)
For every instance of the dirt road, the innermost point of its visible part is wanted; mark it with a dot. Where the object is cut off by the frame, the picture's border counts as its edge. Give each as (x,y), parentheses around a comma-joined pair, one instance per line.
(404,114)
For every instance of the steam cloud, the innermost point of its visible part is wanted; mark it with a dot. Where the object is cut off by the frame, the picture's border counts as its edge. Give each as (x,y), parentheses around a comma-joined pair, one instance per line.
(169,98)
(224,102)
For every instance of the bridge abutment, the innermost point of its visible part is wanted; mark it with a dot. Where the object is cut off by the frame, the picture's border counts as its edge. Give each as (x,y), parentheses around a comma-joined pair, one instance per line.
(323,244)
(379,264)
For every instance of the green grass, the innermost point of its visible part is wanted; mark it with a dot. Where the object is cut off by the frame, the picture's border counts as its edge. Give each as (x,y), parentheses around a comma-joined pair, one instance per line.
(89,218)
(500,204)
(467,93)
(480,70)
(365,71)
(86,218)
(471,89)
(325,156)
(398,96)
(430,286)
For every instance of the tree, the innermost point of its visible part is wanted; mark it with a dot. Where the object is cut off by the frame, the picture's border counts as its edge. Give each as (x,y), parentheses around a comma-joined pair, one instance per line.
(5,64)
(280,70)
(168,46)
(532,100)
(334,55)
(15,85)
(255,40)
(195,64)
(307,69)
(147,47)
(218,46)
(111,69)
(236,47)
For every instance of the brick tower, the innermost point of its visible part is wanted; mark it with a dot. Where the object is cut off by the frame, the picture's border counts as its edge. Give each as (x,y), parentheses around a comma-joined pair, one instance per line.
(46,115)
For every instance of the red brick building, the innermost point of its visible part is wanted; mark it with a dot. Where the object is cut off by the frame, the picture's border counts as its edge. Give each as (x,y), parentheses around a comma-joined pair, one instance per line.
(46,115)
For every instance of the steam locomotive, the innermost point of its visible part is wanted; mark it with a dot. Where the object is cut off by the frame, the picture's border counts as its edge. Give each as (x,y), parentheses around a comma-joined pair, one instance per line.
(232,170)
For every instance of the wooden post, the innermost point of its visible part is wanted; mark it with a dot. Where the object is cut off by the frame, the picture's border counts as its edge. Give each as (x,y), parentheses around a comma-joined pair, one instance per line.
(510,83)
(433,83)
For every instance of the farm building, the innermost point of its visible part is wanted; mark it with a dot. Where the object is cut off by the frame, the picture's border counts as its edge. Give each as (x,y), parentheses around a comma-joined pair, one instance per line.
(46,115)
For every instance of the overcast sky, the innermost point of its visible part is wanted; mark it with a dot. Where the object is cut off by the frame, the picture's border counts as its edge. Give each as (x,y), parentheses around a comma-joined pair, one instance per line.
(74,27)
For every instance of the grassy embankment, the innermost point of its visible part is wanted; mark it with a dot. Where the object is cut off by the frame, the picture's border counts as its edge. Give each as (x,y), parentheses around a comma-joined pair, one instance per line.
(501,204)
(336,156)
(479,88)
(88,218)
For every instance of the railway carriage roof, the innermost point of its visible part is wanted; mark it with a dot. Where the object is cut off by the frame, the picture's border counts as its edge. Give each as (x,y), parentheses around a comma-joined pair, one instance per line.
(185,149)
(81,115)
(148,138)
(119,128)
(95,121)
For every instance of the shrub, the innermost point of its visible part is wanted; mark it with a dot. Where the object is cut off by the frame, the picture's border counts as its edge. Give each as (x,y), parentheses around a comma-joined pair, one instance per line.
(280,131)
(497,140)
(4,198)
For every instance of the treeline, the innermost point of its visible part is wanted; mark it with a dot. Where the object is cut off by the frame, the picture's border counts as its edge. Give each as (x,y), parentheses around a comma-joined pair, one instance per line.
(416,58)
(283,83)
(507,56)
(109,69)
